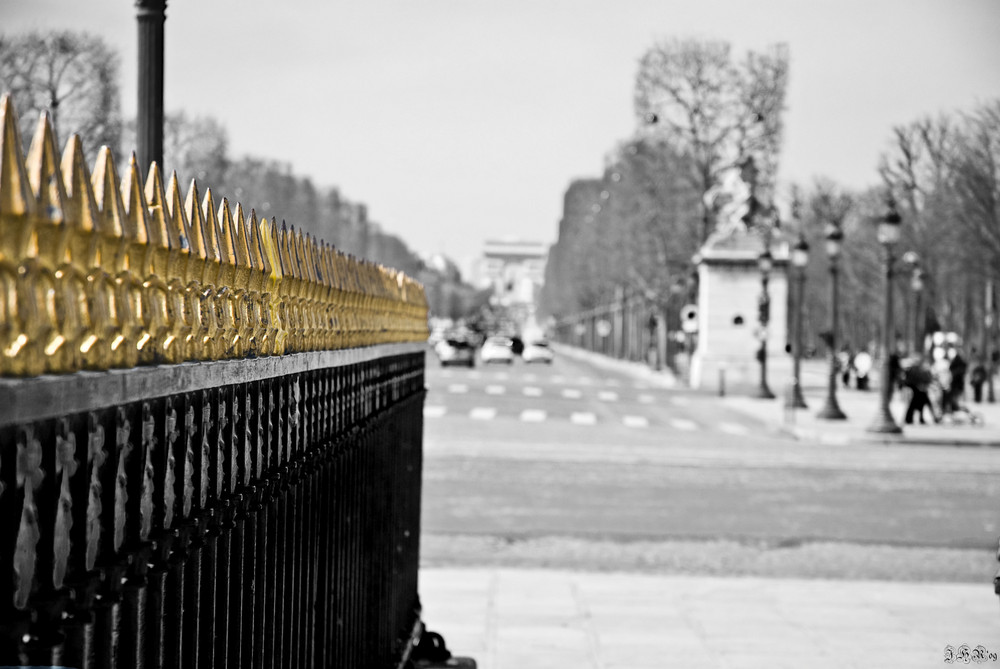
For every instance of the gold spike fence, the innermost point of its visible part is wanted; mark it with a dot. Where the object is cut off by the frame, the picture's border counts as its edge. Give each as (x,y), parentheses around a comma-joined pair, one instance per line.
(99,271)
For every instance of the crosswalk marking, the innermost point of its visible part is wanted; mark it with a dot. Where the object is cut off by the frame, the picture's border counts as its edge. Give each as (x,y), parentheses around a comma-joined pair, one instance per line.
(434,411)
(483,413)
(531,391)
(558,379)
(501,376)
(583,418)
(734,428)
(646,399)
(495,390)
(533,415)
(571,393)
(531,377)
(607,396)
(585,380)
(612,383)
(684,424)
(458,388)
(473,375)
(680,401)
(635,421)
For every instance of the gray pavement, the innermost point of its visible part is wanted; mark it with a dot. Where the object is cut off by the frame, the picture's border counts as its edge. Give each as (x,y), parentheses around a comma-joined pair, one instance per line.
(527,617)
(542,619)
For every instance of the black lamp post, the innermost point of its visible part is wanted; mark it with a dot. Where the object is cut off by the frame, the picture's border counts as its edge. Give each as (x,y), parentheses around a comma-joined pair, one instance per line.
(917,284)
(888,236)
(834,241)
(149,120)
(912,260)
(765,263)
(800,259)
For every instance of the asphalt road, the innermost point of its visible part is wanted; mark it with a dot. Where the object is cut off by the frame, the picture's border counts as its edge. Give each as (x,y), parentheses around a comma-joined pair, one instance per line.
(571,451)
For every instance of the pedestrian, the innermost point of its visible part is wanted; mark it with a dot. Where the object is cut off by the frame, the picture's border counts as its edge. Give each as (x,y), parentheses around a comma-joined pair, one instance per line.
(978,377)
(958,367)
(917,377)
(941,372)
(862,365)
(844,362)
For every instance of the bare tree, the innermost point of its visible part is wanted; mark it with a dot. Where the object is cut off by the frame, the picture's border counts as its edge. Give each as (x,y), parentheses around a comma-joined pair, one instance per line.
(713,111)
(73,76)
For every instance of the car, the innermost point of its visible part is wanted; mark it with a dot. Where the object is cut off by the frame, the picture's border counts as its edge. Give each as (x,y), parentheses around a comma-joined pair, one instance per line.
(455,352)
(497,349)
(537,351)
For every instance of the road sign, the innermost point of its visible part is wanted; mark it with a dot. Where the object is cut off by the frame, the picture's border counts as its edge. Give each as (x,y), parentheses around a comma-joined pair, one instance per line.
(689,318)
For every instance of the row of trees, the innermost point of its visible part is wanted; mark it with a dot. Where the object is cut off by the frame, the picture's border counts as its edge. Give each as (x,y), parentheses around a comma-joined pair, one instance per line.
(74,77)
(635,229)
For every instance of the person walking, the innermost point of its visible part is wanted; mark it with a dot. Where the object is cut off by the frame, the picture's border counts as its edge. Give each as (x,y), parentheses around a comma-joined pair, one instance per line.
(917,377)
(958,368)
(978,377)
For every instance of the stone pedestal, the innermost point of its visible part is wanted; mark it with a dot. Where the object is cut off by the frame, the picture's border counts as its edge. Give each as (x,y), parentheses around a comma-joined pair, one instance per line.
(729,290)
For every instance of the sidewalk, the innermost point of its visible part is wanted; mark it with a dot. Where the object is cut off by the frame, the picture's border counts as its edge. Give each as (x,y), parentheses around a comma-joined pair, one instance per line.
(549,619)
(861,408)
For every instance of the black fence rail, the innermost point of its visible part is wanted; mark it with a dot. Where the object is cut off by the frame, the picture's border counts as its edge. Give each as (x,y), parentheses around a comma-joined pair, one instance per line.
(260,513)
(210,429)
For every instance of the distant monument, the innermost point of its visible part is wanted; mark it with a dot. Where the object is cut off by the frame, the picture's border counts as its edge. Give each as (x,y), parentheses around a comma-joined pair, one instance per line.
(729,289)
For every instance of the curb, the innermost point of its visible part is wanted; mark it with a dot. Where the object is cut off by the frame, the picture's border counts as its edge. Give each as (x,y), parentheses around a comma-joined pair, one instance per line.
(812,434)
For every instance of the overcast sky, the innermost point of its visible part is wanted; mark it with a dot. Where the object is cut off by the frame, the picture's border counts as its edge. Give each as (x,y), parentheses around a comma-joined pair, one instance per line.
(462,120)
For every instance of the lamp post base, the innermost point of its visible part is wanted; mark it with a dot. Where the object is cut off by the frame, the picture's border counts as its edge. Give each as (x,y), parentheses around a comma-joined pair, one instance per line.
(795,400)
(884,424)
(831,410)
(763,393)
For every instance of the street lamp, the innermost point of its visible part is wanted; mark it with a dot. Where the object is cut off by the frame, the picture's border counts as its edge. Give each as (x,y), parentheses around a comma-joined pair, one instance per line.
(888,236)
(765,263)
(149,118)
(834,242)
(917,286)
(800,259)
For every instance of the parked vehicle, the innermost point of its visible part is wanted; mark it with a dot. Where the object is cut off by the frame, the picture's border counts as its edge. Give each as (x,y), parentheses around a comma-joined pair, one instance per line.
(537,351)
(455,352)
(497,349)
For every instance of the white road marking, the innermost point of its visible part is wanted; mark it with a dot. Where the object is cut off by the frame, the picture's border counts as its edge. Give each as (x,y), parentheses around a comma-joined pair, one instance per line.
(613,383)
(446,373)
(635,421)
(607,396)
(684,424)
(680,401)
(495,390)
(531,377)
(483,413)
(532,391)
(473,375)
(458,388)
(558,379)
(434,411)
(501,376)
(571,393)
(533,415)
(640,386)
(646,399)
(582,418)
(734,428)
(585,380)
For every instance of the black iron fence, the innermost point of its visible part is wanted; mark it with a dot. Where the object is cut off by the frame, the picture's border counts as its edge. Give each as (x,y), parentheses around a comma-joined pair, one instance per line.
(249,494)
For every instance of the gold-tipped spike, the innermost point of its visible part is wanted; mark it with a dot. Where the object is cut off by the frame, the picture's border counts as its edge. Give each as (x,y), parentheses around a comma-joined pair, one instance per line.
(159,230)
(136,215)
(241,248)
(42,165)
(15,190)
(196,225)
(177,223)
(107,193)
(81,206)
(227,248)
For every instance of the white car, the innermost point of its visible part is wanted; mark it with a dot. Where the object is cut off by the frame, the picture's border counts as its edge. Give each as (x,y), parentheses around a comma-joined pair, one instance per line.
(497,349)
(537,351)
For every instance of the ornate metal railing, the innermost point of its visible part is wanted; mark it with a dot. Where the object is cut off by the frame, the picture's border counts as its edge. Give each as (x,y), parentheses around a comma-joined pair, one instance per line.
(210,430)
